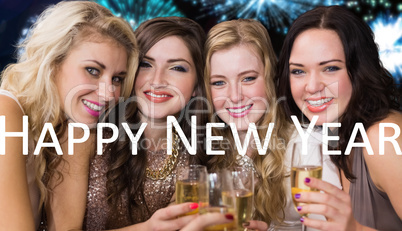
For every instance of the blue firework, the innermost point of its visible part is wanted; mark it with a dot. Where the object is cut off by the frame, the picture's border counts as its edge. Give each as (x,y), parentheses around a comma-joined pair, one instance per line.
(275,14)
(137,11)
(371,4)
(388,36)
(368,7)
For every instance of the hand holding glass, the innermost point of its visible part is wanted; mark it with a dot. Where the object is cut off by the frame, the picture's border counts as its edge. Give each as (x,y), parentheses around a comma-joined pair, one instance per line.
(191,185)
(305,163)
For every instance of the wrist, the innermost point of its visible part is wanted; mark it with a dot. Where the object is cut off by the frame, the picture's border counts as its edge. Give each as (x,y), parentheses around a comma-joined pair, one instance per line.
(139,226)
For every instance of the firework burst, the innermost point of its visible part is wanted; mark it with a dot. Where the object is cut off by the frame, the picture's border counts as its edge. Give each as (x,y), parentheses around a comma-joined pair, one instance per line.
(388,36)
(137,11)
(275,14)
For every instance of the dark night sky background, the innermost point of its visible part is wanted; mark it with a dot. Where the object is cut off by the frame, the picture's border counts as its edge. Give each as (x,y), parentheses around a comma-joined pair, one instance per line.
(15,14)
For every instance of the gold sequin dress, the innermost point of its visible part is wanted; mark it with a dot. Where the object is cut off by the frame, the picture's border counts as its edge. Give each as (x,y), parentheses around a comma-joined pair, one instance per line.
(157,194)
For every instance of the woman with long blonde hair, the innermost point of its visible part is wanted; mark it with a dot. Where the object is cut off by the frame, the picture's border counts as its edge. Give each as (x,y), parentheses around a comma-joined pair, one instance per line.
(242,93)
(78,59)
(239,71)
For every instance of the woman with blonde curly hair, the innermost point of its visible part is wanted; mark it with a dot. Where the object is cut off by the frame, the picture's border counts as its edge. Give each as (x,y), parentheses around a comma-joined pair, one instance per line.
(78,59)
(243,93)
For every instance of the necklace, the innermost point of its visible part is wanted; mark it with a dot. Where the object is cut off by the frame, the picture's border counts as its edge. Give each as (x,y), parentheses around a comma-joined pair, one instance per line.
(169,164)
(246,162)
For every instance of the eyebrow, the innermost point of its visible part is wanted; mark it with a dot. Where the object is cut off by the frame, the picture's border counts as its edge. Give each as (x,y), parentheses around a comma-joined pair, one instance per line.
(321,63)
(104,67)
(332,60)
(170,60)
(97,62)
(217,76)
(241,73)
(248,71)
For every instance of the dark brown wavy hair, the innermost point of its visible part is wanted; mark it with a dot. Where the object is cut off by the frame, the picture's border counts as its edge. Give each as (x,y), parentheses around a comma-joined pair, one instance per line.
(127,171)
(374,92)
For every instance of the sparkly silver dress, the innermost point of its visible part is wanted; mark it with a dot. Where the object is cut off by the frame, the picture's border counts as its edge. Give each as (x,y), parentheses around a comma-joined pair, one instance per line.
(157,194)
(246,162)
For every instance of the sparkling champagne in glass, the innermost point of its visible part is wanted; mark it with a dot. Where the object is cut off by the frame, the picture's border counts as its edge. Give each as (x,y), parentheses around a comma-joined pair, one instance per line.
(191,185)
(243,183)
(306,162)
(221,199)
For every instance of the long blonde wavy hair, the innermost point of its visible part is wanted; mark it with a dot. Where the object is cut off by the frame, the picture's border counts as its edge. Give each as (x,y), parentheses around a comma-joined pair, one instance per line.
(32,79)
(270,197)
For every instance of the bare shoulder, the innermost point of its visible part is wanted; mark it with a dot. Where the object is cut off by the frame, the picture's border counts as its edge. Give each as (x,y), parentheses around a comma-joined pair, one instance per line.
(385,138)
(14,191)
(11,121)
(389,124)
(9,106)
(384,166)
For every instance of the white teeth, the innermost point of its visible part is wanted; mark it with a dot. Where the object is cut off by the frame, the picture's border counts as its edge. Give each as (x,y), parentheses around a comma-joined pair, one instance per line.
(156,96)
(92,106)
(320,102)
(240,110)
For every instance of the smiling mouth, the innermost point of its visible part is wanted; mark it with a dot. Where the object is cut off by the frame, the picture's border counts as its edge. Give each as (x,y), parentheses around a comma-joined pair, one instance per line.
(240,109)
(92,106)
(238,112)
(158,97)
(319,105)
(320,102)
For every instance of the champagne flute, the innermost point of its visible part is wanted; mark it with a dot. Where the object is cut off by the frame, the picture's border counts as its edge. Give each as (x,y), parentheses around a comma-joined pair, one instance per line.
(221,199)
(243,184)
(306,162)
(191,185)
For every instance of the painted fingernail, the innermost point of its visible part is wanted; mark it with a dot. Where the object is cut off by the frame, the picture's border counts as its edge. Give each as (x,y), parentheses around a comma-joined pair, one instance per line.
(245,224)
(299,208)
(193,205)
(307,180)
(229,216)
(297,195)
(302,219)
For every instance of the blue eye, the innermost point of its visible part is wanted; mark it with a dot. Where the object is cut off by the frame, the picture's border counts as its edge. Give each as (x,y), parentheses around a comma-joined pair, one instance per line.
(248,79)
(92,71)
(332,68)
(218,83)
(179,68)
(145,64)
(296,72)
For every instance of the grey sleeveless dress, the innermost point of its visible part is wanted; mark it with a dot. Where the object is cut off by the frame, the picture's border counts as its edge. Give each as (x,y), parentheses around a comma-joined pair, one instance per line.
(371,207)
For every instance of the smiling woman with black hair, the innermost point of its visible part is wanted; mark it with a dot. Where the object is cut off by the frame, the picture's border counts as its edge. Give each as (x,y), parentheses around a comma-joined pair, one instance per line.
(329,67)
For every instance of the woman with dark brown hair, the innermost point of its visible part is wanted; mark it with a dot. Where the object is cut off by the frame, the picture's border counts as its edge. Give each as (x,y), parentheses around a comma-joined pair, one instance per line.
(329,67)
(134,189)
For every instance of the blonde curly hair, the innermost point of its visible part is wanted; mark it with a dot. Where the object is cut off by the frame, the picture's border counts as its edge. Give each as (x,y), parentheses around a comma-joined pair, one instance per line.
(32,78)
(270,190)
